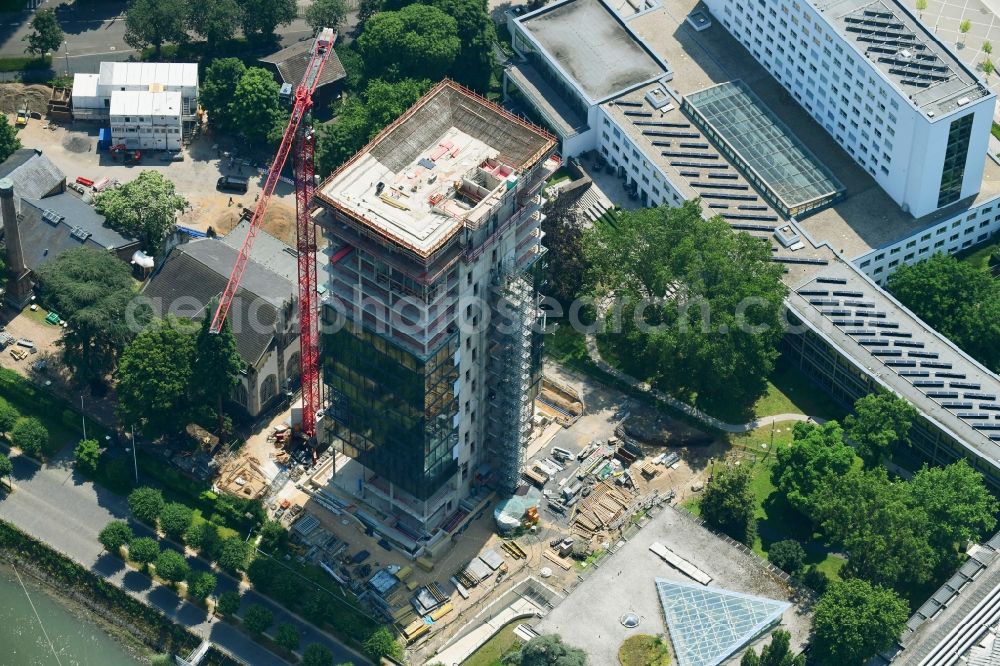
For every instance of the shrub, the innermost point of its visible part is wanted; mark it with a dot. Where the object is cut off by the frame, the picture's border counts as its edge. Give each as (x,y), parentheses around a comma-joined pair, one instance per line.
(8,416)
(29,435)
(257,619)
(787,555)
(146,504)
(272,536)
(88,455)
(175,519)
(115,534)
(382,643)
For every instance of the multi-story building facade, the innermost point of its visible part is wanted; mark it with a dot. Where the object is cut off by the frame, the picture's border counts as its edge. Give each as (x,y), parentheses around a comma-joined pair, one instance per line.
(885,87)
(430,357)
(147,120)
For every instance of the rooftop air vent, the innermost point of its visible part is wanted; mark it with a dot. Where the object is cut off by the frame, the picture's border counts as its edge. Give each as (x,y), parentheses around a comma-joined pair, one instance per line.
(52,217)
(80,233)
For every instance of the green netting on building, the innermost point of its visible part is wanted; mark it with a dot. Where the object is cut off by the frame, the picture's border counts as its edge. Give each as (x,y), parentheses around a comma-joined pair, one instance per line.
(708,625)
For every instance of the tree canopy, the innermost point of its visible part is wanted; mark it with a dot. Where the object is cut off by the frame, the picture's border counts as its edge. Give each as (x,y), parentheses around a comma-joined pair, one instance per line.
(217,365)
(215,20)
(362,117)
(566,265)
(880,422)
(46,36)
(317,655)
(257,619)
(144,550)
(8,416)
(146,504)
(234,554)
(30,435)
(816,454)
(201,584)
(854,620)
(382,643)
(957,503)
(255,105)
(418,42)
(229,603)
(144,208)
(261,17)
(700,305)
(175,519)
(154,375)
(154,23)
(956,299)
(218,90)
(115,534)
(776,653)
(171,566)
(287,636)
(204,537)
(93,291)
(6,467)
(326,14)
(787,555)
(8,138)
(548,650)
(87,455)
(728,503)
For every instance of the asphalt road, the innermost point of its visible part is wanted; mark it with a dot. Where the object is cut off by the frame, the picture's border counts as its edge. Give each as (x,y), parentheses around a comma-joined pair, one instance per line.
(95,32)
(57,506)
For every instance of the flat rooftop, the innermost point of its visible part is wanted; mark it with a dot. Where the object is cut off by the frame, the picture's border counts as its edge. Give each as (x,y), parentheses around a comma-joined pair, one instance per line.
(918,64)
(144,103)
(905,354)
(443,164)
(771,151)
(867,218)
(591,44)
(133,74)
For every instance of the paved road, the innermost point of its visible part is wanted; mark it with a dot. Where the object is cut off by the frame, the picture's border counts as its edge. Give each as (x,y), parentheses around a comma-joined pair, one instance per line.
(55,505)
(94,32)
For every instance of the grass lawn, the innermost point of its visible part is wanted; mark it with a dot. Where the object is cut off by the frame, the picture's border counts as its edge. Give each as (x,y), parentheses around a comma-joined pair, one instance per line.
(490,653)
(776,519)
(790,392)
(59,417)
(644,650)
(979,255)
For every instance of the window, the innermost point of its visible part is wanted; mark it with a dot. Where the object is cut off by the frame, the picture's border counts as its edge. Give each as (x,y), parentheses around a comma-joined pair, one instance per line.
(955,156)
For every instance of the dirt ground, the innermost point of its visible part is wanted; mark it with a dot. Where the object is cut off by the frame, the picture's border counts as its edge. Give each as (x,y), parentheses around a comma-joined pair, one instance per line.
(14,95)
(72,148)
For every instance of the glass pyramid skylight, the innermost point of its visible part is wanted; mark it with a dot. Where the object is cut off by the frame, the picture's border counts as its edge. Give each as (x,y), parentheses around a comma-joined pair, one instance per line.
(708,625)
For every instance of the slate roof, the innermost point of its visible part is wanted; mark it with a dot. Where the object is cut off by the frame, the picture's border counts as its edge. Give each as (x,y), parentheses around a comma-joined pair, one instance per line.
(42,240)
(196,272)
(267,251)
(292,60)
(33,173)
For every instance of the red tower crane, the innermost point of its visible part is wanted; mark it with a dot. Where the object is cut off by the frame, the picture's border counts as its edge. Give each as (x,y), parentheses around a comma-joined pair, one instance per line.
(299,135)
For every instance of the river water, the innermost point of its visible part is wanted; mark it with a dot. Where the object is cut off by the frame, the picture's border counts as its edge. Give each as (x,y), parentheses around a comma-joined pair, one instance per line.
(77,642)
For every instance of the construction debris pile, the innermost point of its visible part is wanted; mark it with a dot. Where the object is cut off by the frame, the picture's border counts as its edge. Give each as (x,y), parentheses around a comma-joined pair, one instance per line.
(603,509)
(242,476)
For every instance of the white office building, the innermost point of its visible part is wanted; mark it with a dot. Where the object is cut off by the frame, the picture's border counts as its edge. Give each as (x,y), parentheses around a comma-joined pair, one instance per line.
(166,86)
(146,120)
(892,95)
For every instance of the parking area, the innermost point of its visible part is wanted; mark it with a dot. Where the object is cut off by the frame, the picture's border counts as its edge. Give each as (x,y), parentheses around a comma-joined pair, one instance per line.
(73,148)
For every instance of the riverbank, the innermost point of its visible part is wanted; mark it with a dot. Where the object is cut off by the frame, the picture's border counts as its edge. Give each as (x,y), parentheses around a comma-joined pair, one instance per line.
(127,616)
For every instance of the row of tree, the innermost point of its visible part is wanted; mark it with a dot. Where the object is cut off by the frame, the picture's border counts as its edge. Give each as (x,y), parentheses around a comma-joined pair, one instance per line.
(958,300)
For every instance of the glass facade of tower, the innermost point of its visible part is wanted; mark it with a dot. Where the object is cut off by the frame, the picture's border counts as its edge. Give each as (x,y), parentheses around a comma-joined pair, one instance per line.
(955,156)
(391,411)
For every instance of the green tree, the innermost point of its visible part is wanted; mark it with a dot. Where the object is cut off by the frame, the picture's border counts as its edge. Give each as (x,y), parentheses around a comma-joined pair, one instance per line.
(8,138)
(8,416)
(229,603)
(326,14)
(776,653)
(287,636)
(175,519)
(46,36)
(6,469)
(146,504)
(87,454)
(880,422)
(154,376)
(717,335)
(154,23)
(566,264)
(361,118)
(959,507)
(855,620)
(215,20)
(988,68)
(255,105)
(368,9)
(987,47)
(257,619)
(200,585)
(217,365)
(787,555)
(261,17)
(29,435)
(418,42)
(473,66)
(816,579)
(171,566)
(218,90)
(204,537)
(956,299)
(381,643)
(548,650)
(94,291)
(921,5)
(964,28)
(115,534)
(234,554)
(728,503)
(816,455)
(873,519)
(145,208)
(273,536)
(317,655)
(144,550)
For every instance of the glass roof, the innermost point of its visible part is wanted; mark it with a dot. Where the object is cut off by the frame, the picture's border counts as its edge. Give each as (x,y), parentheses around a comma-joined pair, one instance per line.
(763,143)
(707,625)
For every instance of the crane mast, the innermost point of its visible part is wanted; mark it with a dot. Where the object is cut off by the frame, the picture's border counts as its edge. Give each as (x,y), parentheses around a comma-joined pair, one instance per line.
(300,136)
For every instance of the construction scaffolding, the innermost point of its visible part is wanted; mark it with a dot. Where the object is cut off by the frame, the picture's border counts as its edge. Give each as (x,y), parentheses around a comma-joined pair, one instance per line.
(512,377)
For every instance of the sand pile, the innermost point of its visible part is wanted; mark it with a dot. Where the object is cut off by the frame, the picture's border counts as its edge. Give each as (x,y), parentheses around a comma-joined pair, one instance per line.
(14,95)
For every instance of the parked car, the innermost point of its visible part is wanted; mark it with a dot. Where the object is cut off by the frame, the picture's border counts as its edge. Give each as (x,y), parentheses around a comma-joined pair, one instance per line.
(24,342)
(232,184)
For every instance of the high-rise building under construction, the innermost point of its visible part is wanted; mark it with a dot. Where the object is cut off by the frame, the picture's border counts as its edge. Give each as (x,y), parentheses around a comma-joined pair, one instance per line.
(431,344)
